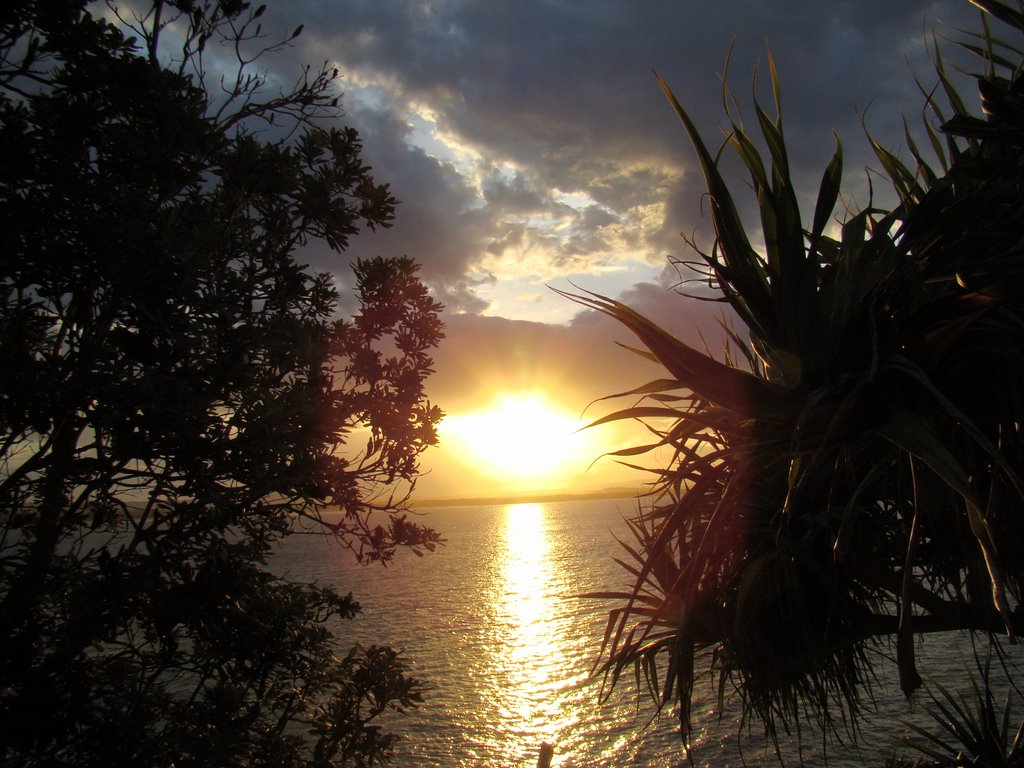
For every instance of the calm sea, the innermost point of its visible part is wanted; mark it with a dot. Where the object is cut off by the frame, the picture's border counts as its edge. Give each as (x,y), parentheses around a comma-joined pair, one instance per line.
(494,622)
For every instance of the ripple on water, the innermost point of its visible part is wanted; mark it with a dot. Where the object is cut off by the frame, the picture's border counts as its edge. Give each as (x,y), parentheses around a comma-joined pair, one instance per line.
(494,623)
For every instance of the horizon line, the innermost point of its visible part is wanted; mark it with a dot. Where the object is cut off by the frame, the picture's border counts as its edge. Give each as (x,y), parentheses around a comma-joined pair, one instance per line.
(529,497)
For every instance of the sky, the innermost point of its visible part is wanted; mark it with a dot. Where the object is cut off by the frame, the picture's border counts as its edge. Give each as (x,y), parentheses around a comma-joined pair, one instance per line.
(531,147)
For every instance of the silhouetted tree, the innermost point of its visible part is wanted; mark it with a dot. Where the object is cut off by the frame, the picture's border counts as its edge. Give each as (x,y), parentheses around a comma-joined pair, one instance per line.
(853,475)
(177,394)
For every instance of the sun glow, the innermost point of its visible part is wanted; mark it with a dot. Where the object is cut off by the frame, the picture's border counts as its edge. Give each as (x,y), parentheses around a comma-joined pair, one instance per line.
(522,438)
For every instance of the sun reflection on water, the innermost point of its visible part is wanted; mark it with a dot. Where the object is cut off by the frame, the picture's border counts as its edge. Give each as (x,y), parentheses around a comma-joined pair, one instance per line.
(531,649)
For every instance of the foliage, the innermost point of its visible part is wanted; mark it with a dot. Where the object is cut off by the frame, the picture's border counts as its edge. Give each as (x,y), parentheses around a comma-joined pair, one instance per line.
(852,474)
(972,731)
(177,394)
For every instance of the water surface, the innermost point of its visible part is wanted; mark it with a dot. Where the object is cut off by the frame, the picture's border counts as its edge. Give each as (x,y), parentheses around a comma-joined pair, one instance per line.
(494,622)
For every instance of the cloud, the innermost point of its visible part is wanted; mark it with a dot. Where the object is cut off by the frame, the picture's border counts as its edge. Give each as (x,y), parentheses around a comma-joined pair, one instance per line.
(530,140)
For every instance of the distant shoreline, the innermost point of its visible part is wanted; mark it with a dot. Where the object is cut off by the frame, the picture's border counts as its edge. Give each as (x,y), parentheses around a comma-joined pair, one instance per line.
(529,498)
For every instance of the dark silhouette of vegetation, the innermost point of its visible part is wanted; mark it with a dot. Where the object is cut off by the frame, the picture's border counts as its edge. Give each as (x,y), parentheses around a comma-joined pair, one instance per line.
(177,393)
(973,730)
(850,475)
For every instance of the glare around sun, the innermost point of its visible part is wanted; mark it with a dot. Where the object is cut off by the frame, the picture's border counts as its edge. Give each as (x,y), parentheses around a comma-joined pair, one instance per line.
(522,437)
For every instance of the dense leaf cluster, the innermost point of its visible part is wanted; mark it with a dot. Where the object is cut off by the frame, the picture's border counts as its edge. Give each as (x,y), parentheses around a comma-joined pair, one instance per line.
(177,393)
(853,473)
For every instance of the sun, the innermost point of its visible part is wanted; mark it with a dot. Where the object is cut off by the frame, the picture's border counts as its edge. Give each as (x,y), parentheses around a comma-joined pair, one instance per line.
(522,438)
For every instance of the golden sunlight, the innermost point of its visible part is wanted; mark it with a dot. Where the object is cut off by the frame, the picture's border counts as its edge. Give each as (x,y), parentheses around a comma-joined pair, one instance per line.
(531,653)
(523,438)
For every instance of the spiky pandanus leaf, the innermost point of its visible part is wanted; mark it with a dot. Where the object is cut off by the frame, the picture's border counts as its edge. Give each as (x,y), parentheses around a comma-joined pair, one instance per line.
(860,479)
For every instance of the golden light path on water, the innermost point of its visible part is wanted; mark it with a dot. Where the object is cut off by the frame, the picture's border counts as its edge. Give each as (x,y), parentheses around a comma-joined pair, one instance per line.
(495,624)
(534,651)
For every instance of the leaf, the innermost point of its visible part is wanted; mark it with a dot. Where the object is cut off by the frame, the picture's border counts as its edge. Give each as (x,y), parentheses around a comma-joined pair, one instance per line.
(902,179)
(1002,12)
(988,54)
(638,412)
(711,380)
(828,192)
(906,430)
(651,387)
(962,420)
(847,523)
(742,267)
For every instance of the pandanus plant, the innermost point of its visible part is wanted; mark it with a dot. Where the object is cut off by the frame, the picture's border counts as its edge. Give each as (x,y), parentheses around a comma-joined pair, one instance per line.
(849,474)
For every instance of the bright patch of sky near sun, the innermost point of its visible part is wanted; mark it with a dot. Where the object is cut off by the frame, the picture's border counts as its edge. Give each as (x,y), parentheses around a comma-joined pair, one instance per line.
(529,298)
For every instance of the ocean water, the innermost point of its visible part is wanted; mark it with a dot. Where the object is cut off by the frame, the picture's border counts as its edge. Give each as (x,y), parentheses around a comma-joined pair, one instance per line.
(495,623)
